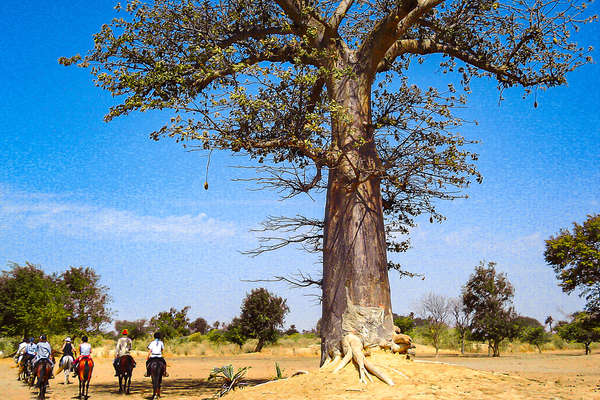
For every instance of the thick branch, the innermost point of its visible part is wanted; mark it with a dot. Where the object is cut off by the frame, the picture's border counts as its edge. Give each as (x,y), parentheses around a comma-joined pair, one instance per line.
(391,28)
(340,13)
(429,46)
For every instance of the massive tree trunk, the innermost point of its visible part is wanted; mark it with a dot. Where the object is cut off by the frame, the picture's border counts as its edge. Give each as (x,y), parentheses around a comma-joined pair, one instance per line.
(354,245)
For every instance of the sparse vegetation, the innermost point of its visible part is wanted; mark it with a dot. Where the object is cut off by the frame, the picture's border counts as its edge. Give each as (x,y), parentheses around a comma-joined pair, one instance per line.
(229,379)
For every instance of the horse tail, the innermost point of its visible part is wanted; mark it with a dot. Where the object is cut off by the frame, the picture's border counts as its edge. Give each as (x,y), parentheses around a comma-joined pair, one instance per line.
(86,371)
(42,372)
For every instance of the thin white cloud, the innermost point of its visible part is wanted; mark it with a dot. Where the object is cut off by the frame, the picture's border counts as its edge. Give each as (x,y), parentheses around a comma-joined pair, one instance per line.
(81,220)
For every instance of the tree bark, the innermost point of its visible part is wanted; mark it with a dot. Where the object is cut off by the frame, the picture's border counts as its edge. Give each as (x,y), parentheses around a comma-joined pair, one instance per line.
(354,245)
(259,345)
(496,348)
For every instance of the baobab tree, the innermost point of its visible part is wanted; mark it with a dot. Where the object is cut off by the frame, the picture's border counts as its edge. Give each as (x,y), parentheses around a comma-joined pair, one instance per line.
(318,92)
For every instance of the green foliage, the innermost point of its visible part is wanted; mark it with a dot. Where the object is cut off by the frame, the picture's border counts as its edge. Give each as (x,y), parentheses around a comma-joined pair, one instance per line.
(197,337)
(32,302)
(87,300)
(136,329)
(172,323)
(229,379)
(8,345)
(216,336)
(262,313)
(278,371)
(405,323)
(583,328)
(535,335)
(199,325)
(235,333)
(489,297)
(575,257)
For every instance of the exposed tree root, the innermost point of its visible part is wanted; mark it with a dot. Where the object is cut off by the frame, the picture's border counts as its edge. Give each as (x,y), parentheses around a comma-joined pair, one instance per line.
(361,326)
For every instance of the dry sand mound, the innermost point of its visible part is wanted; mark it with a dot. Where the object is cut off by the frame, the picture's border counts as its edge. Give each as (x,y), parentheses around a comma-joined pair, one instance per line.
(413,380)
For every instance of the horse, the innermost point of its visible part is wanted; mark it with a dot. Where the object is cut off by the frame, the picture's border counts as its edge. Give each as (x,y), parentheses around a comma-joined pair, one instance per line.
(22,370)
(84,373)
(43,370)
(125,369)
(157,369)
(66,363)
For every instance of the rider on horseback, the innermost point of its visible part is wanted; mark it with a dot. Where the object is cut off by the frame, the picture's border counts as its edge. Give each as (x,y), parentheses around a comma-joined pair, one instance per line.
(21,351)
(85,351)
(123,348)
(43,352)
(155,349)
(67,351)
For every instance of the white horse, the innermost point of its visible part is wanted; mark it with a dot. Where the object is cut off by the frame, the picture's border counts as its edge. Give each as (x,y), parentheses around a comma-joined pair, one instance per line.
(66,362)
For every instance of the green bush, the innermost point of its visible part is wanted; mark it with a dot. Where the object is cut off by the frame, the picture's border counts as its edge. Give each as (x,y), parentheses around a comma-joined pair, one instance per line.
(197,337)
(9,345)
(216,336)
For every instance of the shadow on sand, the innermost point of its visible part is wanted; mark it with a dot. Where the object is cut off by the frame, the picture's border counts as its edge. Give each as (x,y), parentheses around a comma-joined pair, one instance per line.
(170,388)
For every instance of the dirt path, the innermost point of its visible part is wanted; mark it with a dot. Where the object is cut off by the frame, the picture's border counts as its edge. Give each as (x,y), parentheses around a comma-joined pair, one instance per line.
(187,378)
(523,376)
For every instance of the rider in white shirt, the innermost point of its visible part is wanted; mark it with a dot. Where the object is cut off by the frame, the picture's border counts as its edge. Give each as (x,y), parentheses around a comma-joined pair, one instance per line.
(85,350)
(44,352)
(21,351)
(155,349)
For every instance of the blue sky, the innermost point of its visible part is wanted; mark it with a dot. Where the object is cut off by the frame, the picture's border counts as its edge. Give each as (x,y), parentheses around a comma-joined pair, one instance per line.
(77,191)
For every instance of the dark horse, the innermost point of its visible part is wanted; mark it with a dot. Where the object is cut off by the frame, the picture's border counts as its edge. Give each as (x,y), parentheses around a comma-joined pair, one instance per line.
(156,367)
(84,373)
(43,370)
(126,366)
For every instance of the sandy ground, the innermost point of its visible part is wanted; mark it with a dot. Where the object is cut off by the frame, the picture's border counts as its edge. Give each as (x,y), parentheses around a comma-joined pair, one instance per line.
(558,375)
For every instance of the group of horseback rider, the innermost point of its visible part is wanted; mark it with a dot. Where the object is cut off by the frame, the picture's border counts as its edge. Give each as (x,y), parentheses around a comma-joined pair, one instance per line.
(31,352)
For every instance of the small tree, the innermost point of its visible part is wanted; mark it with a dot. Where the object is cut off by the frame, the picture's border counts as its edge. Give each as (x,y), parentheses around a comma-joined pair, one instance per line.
(199,325)
(583,328)
(462,320)
(291,330)
(235,333)
(575,257)
(262,313)
(489,297)
(536,336)
(436,310)
(87,300)
(171,323)
(136,329)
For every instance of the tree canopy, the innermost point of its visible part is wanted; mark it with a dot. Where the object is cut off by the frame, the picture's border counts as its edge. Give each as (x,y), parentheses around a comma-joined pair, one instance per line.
(170,324)
(34,302)
(261,315)
(319,93)
(575,257)
(583,328)
(488,295)
(87,301)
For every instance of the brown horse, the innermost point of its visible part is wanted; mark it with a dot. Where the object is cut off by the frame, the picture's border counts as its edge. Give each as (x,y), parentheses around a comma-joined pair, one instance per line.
(43,370)
(156,368)
(84,373)
(126,366)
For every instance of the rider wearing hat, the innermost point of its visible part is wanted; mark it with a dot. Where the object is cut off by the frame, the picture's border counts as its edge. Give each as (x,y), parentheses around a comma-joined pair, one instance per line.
(67,351)
(123,348)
